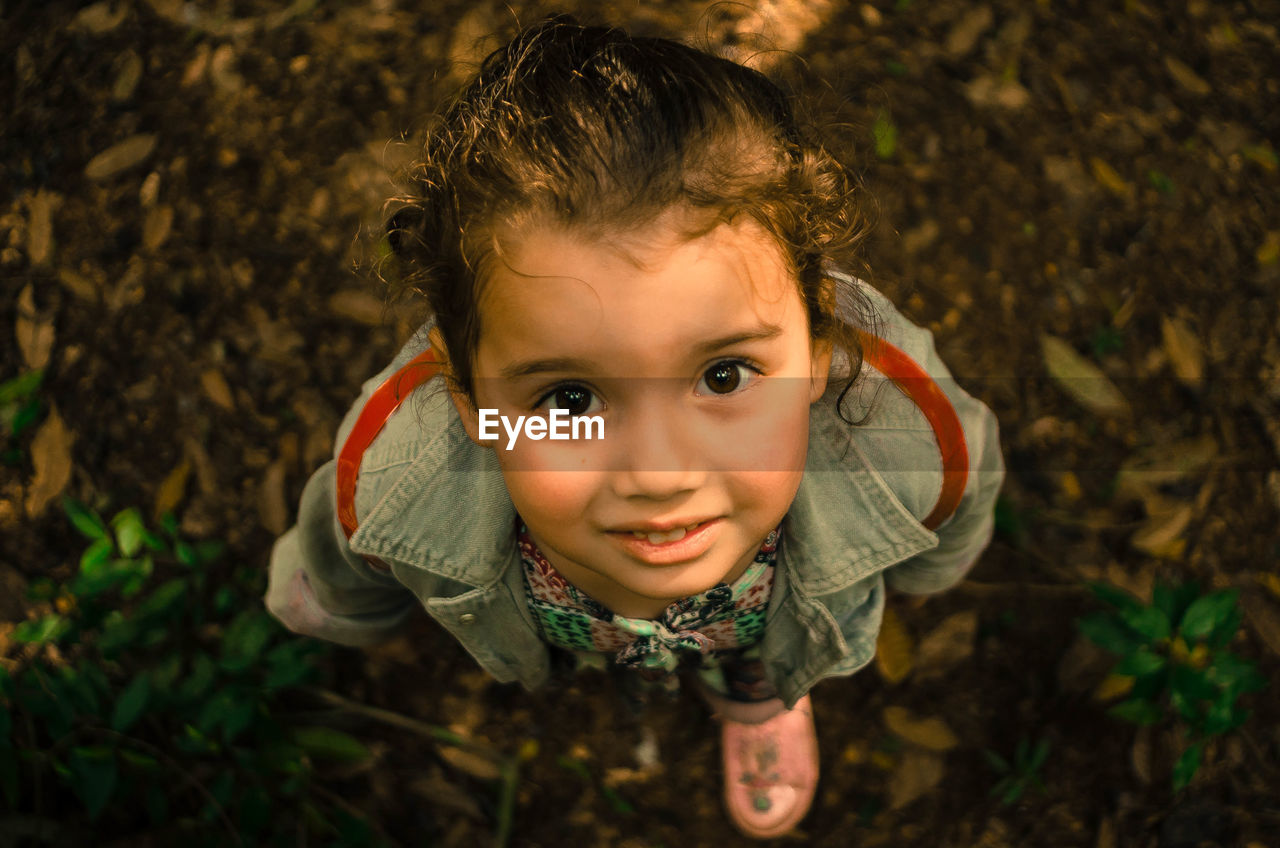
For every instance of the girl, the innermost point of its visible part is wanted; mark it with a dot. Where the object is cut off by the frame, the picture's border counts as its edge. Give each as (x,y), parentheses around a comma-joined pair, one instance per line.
(635,236)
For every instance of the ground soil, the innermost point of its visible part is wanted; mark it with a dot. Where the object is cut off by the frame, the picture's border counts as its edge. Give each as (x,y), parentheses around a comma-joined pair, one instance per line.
(1099,172)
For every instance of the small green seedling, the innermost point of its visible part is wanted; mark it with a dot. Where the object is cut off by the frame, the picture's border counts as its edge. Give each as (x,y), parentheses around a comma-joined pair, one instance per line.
(1175,651)
(20,409)
(1020,775)
(152,689)
(885,135)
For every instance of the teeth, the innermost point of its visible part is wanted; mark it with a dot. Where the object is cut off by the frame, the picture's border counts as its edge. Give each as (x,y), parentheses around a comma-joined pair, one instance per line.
(663,538)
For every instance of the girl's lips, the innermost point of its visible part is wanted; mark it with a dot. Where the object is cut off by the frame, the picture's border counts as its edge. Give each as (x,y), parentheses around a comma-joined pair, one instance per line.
(669,551)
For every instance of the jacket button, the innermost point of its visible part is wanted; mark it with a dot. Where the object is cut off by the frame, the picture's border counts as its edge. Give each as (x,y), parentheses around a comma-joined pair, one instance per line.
(467,618)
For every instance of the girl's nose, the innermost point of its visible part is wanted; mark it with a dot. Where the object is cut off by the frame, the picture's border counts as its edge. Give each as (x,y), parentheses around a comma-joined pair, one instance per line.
(657,458)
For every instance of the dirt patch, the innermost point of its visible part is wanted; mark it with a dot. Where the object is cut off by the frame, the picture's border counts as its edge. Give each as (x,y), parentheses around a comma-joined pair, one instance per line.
(188,186)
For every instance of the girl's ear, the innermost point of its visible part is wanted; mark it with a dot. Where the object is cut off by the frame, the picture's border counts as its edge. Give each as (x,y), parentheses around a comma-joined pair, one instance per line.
(466,409)
(820,354)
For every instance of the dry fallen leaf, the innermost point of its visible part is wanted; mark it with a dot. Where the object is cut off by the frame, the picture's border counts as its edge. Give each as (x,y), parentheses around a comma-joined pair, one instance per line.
(170,493)
(1271,582)
(273,509)
(100,18)
(947,645)
(916,774)
(1159,465)
(40,207)
(1082,666)
(1109,179)
(932,734)
(1184,350)
(34,332)
(481,768)
(1160,534)
(1187,78)
(121,157)
(1081,379)
(1106,834)
(1262,616)
(893,648)
(217,390)
(51,457)
(435,791)
(128,77)
(990,90)
(156,226)
(1112,687)
(1140,755)
(966,31)
(359,306)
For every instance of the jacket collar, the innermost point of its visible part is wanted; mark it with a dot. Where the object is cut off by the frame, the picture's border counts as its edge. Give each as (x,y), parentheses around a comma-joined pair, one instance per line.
(844,524)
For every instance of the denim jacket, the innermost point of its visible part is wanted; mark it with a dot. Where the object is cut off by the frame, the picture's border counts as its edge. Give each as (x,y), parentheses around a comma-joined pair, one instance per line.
(432,505)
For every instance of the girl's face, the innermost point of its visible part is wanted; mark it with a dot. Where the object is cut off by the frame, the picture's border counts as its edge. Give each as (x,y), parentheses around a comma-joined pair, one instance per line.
(696,355)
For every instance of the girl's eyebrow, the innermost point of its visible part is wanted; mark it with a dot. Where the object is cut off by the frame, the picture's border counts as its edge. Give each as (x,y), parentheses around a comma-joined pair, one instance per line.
(558,364)
(764,333)
(541,366)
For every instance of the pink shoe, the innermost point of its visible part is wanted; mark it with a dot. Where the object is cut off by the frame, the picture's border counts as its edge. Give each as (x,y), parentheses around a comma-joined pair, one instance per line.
(770,771)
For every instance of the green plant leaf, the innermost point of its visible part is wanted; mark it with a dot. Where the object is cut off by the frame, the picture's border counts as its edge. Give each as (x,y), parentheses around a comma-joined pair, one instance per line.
(1039,756)
(1225,630)
(1137,710)
(197,684)
(131,703)
(96,555)
(93,776)
(185,554)
(239,717)
(1228,671)
(1107,631)
(131,531)
(997,762)
(1013,792)
(117,633)
(79,686)
(1193,684)
(1187,766)
(209,551)
(1115,596)
(1149,622)
(1206,613)
(48,629)
(327,743)
(138,760)
(19,388)
(288,664)
(885,135)
(1140,663)
(88,522)
(164,600)
(616,802)
(245,638)
(157,804)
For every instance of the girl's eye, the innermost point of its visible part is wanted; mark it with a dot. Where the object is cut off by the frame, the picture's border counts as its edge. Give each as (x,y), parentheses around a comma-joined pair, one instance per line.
(575,400)
(726,377)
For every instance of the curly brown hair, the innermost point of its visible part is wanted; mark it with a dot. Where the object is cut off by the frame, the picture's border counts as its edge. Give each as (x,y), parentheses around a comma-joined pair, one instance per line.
(594,130)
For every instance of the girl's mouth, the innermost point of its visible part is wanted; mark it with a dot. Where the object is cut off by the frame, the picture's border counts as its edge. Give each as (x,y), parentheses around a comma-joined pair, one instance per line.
(669,536)
(670,547)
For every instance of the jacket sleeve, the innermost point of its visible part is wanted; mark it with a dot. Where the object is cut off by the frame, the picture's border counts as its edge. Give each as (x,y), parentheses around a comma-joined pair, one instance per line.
(963,536)
(966,534)
(318,587)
